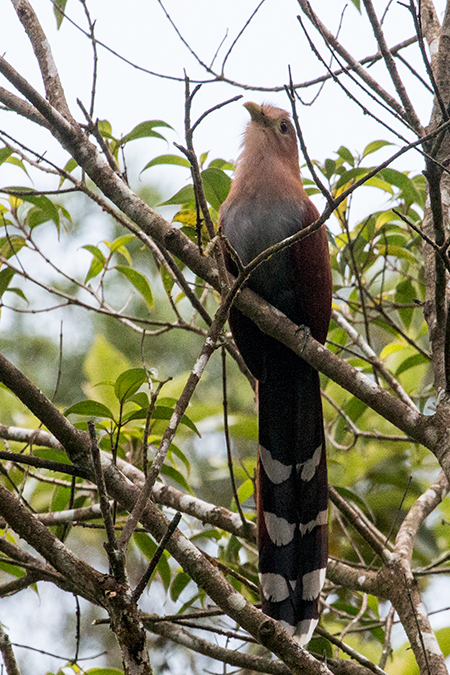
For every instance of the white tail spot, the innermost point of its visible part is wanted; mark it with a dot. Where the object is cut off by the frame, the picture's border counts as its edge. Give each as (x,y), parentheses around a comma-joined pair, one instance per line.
(305,629)
(280,530)
(309,467)
(275,470)
(274,587)
(312,583)
(322,519)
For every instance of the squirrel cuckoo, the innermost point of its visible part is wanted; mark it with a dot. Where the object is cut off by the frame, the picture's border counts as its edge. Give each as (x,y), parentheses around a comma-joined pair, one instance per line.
(266,204)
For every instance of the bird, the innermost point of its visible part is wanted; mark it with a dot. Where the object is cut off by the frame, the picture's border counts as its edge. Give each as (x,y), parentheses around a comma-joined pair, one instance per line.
(267,203)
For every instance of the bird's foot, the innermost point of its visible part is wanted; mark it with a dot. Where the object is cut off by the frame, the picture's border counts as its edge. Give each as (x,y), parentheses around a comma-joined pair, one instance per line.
(306,333)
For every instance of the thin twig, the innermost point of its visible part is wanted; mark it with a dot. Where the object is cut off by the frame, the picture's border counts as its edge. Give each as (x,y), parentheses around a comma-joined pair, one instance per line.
(312,171)
(227,437)
(350,651)
(387,646)
(239,35)
(95,55)
(392,69)
(214,108)
(157,556)
(114,554)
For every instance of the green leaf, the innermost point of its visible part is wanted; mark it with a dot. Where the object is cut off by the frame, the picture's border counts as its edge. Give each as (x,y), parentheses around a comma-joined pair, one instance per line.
(59,16)
(19,293)
(11,245)
(141,399)
(5,153)
(105,128)
(12,569)
(221,164)
(208,534)
(140,414)
(128,383)
(245,491)
(70,166)
(52,454)
(144,130)
(120,242)
(443,638)
(167,159)
(94,270)
(398,252)
(184,196)
(147,547)
(374,146)
(351,496)
(49,210)
(351,176)
(96,252)
(89,407)
(176,476)
(178,585)
(346,155)
(18,162)
(167,279)
(60,498)
(328,168)
(97,264)
(203,157)
(411,362)
(405,293)
(163,413)
(401,181)
(139,281)
(357,4)
(175,450)
(216,184)
(6,276)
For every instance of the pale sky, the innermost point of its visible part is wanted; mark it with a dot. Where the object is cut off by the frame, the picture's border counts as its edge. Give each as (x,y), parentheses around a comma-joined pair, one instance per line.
(140,31)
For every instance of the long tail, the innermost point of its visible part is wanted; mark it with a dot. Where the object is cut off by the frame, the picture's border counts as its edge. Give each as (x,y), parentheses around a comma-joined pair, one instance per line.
(292,492)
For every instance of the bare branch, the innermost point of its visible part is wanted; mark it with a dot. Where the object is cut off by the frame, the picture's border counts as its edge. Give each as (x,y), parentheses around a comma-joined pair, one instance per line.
(392,69)
(115,556)
(8,654)
(371,356)
(351,652)
(22,108)
(156,558)
(87,580)
(421,509)
(355,65)
(44,56)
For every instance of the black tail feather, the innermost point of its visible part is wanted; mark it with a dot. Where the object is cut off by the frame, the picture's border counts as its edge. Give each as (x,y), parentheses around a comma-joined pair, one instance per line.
(292,493)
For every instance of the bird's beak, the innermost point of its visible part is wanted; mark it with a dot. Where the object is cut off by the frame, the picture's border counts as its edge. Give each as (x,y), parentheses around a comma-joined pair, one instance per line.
(256,112)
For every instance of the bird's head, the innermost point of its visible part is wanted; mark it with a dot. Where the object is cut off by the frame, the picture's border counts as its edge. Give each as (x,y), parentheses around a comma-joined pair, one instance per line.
(270,129)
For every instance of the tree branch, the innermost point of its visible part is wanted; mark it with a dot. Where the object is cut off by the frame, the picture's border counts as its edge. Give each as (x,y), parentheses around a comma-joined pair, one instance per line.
(8,654)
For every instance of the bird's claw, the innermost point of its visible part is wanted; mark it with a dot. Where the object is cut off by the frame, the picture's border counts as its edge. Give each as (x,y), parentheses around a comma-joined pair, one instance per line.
(306,333)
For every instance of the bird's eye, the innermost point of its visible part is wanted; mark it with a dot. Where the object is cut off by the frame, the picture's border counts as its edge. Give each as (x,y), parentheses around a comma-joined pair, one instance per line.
(283,127)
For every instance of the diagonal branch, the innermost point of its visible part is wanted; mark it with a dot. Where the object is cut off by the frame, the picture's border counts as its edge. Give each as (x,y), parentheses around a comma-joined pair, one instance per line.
(87,580)
(420,510)
(44,56)
(392,69)
(352,62)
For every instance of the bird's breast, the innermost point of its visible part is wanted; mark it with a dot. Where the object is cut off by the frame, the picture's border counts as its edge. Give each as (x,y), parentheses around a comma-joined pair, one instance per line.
(252,228)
